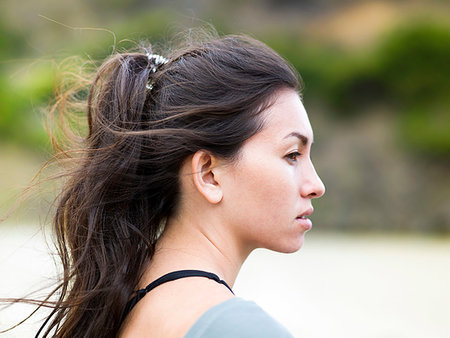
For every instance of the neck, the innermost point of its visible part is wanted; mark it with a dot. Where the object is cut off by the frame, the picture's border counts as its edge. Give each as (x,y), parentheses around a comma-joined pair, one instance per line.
(192,245)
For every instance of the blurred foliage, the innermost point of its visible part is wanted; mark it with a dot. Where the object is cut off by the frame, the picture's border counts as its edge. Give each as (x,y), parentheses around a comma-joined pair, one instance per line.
(27,87)
(408,71)
(415,62)
(11,42)
(130,33)
(20,99)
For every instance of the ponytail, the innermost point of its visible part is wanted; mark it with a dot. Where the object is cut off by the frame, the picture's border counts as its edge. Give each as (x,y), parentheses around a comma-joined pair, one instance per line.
(104,222)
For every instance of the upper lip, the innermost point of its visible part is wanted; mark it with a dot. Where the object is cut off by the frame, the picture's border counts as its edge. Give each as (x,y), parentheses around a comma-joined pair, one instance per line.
(307,212)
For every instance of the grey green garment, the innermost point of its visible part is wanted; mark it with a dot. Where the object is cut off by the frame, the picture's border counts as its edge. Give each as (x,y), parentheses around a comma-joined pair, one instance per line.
(236,318)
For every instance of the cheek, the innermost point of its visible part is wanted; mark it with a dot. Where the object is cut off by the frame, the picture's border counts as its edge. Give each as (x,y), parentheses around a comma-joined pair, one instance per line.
(265,192)
(270,192)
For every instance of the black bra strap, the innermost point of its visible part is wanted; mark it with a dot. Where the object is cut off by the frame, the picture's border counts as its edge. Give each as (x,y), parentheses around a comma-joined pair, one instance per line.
(167,278)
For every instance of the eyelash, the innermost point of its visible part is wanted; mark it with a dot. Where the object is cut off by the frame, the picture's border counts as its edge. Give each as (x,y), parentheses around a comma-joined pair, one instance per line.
(293,156)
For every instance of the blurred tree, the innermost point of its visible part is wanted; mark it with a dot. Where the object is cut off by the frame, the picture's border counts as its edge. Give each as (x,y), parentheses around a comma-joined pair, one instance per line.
(12,43)
(415,64)
(409,73)
(21,96)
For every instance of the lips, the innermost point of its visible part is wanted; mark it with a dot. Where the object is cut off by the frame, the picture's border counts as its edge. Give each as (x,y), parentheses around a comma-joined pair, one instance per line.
(306,213)
(303,219)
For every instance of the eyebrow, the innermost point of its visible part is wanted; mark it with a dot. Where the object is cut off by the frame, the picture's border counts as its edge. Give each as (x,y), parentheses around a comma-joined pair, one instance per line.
(301,137)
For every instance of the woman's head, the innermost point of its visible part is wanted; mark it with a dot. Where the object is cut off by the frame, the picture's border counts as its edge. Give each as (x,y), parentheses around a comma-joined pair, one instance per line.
(262,199)
(207,96)
(143,125)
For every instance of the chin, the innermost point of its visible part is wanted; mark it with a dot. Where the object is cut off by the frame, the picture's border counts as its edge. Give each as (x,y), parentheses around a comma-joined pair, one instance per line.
(288,247)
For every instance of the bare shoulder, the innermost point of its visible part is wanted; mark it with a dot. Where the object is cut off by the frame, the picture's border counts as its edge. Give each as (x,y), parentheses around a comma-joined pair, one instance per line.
(172,308)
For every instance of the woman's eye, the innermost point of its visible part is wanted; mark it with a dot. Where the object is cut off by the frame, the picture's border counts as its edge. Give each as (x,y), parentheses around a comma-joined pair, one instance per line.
(293,156)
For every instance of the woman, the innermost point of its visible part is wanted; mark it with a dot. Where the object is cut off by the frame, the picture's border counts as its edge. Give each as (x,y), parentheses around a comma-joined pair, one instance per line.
(190,163)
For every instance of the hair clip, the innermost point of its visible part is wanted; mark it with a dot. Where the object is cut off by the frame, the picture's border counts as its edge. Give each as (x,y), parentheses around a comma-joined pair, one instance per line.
(155,61)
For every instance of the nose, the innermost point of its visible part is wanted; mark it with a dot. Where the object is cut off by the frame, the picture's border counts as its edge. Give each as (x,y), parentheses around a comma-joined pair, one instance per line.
(312,185)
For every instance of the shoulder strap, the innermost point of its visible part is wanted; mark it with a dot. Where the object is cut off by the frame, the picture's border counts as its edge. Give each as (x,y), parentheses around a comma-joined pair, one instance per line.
(167,278)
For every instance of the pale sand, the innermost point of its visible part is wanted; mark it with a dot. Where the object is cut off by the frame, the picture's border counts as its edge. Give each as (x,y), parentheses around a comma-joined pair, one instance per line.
(336,286)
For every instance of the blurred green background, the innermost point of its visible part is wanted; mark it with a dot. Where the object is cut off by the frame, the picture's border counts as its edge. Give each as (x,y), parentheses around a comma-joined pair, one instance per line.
(376,90)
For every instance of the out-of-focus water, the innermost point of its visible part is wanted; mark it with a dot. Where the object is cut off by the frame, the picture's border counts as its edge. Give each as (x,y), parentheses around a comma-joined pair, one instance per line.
(336,286)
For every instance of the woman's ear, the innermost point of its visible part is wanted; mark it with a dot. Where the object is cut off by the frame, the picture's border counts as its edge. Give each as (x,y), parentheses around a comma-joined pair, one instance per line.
(204,176)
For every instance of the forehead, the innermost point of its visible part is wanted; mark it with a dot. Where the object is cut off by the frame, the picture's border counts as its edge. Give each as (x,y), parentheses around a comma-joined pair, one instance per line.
(286,116)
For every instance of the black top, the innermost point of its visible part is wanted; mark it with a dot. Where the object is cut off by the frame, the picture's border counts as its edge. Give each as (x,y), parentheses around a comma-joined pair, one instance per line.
(167,278)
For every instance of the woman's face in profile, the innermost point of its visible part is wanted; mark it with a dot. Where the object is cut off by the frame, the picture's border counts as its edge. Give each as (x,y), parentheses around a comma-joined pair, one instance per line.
(273,182)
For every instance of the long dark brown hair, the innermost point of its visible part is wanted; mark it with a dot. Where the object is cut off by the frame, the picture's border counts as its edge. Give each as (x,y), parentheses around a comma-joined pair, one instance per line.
(142,124)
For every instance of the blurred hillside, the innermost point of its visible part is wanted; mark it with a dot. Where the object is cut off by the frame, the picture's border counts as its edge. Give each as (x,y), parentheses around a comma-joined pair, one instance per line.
(376,88)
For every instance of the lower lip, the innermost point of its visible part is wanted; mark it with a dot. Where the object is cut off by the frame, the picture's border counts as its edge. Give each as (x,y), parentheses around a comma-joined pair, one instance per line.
(305,223)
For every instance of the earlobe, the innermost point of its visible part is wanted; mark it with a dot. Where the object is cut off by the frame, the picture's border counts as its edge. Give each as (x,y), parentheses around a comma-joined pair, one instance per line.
(204,176)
